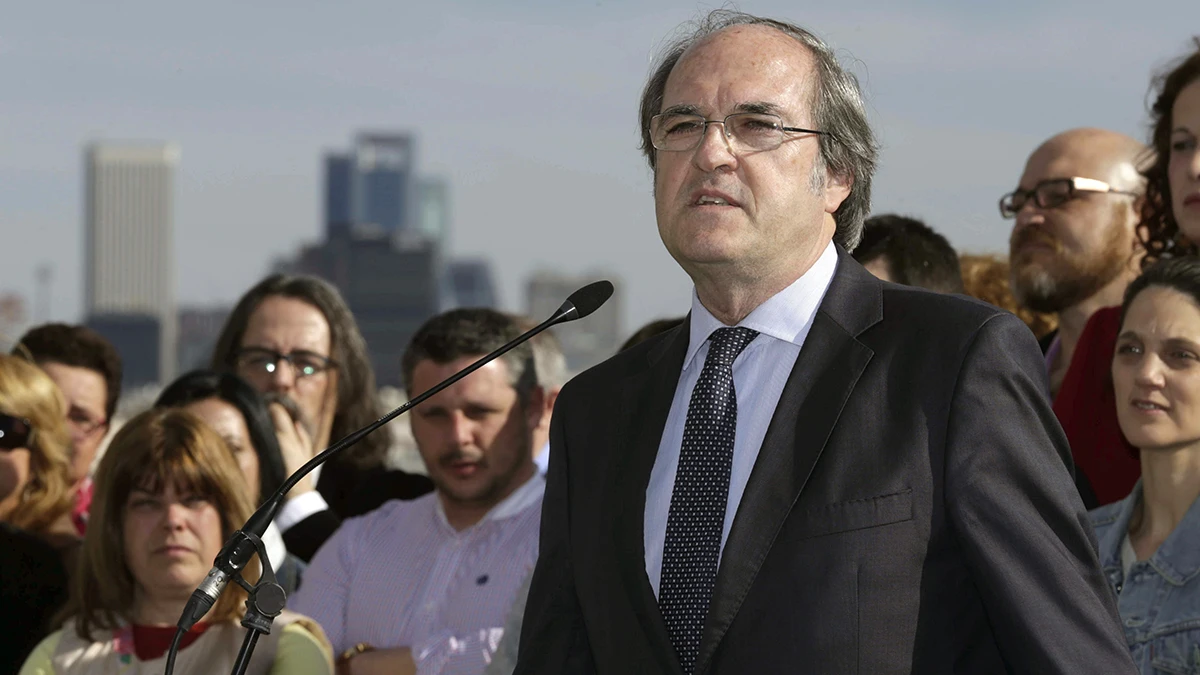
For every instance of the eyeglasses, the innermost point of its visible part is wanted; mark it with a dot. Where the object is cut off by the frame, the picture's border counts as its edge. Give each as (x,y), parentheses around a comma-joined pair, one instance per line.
(1049,194)
(262,361)
(83,422)
(15,432)
(676,132)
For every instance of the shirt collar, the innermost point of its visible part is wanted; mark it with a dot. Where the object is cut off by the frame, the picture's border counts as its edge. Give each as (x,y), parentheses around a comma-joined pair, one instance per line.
(522,498)
(272,540)
(785,316)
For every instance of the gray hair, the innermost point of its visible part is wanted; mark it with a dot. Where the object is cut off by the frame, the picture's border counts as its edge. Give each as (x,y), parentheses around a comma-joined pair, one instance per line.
(548,358)
(849,150)
(549,361)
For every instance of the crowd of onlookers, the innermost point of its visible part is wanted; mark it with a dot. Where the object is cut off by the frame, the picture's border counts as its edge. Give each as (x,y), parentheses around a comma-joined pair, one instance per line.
(391,571)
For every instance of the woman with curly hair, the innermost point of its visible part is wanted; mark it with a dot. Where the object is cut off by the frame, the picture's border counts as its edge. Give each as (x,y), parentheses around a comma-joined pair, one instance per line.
(1169,227)
(1170,224)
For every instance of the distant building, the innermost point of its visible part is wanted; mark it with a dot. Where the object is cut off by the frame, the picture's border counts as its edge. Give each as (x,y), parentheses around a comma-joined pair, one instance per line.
(433,209)
(374,184)
(471,284)
(129,277)
(339,190)
(391,284)
(138,339)
(199,328)
(14,319)
(587,341)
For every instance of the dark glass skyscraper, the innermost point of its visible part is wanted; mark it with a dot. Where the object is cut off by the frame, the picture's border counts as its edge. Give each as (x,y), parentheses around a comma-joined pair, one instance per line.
(373,186)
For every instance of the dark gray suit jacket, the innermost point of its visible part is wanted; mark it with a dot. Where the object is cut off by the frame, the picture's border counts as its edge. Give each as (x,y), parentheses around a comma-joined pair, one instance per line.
(911,509)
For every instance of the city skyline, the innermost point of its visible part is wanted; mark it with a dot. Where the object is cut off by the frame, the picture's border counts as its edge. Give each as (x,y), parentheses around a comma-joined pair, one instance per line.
(959,96)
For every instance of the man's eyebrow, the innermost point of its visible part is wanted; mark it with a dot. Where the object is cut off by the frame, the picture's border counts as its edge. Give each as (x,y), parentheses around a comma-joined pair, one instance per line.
(682,109)
(760,107)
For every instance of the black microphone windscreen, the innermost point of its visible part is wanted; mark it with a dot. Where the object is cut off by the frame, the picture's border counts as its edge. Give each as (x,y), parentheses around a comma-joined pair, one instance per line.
(589,298)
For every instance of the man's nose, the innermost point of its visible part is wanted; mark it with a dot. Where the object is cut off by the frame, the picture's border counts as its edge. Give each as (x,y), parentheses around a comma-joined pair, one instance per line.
(462,428)
(715,149)
(1030,213)
(284,377)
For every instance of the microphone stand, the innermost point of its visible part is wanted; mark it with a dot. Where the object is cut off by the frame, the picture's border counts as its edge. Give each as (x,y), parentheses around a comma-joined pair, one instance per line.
(267,597)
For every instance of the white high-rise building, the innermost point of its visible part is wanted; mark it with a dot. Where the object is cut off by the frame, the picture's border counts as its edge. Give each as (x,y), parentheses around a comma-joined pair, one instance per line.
(130,266)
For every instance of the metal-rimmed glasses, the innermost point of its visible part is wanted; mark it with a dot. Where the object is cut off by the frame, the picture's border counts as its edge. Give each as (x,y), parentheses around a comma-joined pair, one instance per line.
(260,361)
(1054,192)
(681,132)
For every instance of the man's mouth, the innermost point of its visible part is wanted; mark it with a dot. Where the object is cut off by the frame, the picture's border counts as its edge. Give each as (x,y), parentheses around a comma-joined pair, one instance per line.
(462,468)
(713,198)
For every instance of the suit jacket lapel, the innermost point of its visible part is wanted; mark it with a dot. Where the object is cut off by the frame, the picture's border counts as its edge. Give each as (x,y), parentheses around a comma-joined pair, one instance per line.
(644,415)
(828,367)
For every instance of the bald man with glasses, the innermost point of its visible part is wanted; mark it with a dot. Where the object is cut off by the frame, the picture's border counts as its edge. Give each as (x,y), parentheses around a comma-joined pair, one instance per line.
(1074,245)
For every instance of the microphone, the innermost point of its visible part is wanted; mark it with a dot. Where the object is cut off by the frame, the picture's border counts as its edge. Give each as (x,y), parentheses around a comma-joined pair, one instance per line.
(240,547)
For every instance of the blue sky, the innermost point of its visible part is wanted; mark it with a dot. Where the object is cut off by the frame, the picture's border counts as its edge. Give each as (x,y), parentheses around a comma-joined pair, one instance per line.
(528,109)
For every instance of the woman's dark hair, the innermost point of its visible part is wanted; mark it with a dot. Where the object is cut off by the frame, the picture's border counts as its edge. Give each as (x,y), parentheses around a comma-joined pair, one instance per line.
(1158,230)
(201,385)
(357,405)
(1181,274)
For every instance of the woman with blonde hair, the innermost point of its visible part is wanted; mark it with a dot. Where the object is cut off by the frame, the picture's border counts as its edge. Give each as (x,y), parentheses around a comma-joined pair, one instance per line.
(168,494)
(35,467)
(38,542)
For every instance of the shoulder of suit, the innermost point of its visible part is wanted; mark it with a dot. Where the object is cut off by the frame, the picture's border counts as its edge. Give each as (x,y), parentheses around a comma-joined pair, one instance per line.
(624,362)
(920,306)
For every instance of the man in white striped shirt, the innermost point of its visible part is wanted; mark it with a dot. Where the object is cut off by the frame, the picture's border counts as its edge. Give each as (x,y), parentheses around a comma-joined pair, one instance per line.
(424,586)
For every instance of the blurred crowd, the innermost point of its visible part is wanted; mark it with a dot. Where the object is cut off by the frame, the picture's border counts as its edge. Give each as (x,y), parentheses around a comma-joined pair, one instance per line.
(426,569)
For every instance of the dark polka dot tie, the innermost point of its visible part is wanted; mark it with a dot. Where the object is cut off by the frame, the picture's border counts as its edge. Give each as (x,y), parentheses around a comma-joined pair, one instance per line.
(692,547)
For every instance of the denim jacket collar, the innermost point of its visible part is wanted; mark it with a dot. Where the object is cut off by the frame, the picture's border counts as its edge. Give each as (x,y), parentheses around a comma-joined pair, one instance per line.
(1177,559)
(1113,520)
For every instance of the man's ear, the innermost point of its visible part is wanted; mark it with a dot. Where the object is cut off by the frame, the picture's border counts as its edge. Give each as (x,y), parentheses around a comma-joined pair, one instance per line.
(837,189)
(536,412)
(551,396)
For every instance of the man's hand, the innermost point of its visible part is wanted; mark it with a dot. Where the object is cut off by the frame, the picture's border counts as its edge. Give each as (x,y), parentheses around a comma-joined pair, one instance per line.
(295,445)
(398,661)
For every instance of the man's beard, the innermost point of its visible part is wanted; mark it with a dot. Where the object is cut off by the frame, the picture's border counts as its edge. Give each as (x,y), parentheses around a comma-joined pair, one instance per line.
(1070,278)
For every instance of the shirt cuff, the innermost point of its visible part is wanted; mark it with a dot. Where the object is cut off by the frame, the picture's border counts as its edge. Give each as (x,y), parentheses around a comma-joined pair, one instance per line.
(298,508)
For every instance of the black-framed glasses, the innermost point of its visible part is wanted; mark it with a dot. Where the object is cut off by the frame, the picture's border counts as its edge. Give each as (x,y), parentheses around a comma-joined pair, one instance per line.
(680,132)
(263,361)
(1055,192)
(15,432)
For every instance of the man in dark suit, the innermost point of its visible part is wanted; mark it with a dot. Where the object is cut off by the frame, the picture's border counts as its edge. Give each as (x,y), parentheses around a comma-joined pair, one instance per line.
(818,472)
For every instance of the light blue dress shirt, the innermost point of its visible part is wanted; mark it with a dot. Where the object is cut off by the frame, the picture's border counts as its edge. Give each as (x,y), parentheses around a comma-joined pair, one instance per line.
(759,374)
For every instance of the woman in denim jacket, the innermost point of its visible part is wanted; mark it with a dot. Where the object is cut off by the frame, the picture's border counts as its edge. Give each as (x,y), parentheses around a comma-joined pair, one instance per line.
(1150,541)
